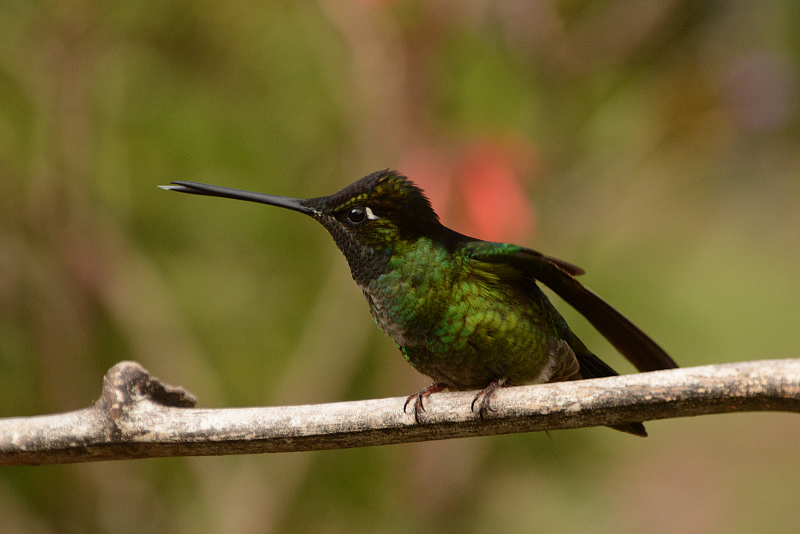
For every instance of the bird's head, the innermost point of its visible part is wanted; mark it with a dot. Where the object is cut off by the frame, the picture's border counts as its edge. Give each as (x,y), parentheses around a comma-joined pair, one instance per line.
(367,219)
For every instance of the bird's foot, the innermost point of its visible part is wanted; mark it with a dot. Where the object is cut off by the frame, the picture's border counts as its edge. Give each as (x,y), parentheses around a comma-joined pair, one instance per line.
(483,400)
(416,400)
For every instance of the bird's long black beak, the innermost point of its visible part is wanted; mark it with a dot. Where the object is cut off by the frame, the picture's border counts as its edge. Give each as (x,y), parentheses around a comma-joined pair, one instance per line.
(196,188)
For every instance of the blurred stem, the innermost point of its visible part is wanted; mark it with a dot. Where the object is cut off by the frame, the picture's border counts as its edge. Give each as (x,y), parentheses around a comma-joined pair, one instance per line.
(322,365)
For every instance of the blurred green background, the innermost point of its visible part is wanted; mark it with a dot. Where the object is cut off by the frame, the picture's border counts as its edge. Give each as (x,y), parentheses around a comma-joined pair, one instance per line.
(656,144)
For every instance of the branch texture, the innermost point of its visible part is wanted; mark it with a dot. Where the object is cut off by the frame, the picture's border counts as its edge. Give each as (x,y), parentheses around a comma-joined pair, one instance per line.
(138,416)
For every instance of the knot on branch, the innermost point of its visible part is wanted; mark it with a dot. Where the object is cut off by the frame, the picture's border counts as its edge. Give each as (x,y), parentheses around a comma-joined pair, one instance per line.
(128,383)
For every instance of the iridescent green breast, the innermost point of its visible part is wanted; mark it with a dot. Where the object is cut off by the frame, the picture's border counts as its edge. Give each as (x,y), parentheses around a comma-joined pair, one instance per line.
(409,298)
(464,322)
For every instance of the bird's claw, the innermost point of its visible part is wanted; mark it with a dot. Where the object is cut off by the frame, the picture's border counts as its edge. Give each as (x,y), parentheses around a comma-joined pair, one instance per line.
(483,403)
(483,400)
(418,399)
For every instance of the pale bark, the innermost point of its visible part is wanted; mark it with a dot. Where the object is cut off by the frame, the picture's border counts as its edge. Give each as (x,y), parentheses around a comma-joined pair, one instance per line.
(137,416)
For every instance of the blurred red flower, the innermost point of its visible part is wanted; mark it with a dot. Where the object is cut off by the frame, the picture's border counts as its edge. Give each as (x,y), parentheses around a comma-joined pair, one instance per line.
(479,190)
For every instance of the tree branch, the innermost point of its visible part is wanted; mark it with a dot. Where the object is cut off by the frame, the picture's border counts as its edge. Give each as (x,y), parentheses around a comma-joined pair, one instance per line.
(137,416)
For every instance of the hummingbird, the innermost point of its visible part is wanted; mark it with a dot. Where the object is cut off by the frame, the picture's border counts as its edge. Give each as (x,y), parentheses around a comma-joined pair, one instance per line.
(465,312)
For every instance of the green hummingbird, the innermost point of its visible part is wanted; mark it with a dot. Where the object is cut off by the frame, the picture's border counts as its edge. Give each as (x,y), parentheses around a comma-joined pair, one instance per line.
(465,312)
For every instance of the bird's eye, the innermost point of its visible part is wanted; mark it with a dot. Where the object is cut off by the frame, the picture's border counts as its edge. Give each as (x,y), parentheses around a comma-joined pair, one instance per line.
(356,215)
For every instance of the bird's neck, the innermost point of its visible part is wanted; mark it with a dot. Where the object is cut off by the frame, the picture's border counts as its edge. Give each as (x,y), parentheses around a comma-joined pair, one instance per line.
(407,297)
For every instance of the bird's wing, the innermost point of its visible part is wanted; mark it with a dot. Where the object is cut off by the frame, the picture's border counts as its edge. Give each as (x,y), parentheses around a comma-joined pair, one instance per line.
(559,275)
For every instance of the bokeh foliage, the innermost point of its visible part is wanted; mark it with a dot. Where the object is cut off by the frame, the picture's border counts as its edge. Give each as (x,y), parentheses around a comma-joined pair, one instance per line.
(656,144)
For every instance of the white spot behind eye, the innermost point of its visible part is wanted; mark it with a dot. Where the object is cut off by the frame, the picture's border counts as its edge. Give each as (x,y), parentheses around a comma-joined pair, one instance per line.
(371,216)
